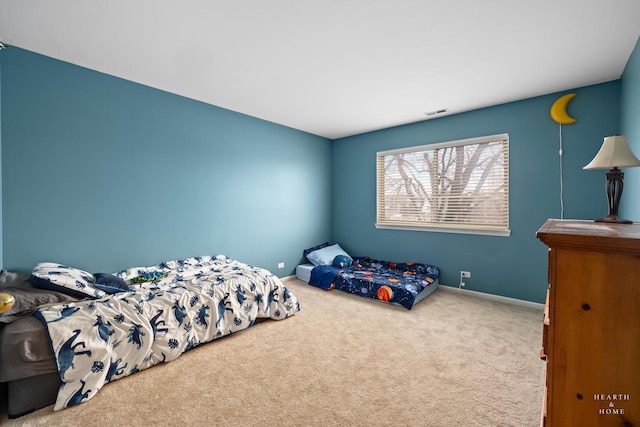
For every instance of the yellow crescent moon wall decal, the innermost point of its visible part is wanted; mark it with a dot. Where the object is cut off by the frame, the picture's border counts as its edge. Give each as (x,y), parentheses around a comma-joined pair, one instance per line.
(559,110)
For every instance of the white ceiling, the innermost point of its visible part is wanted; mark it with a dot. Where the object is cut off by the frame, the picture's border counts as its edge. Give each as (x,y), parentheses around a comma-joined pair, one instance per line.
(336,67)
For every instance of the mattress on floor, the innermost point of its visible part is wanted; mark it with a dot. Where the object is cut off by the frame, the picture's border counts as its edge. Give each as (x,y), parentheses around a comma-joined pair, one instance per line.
(303,272)
(25,350)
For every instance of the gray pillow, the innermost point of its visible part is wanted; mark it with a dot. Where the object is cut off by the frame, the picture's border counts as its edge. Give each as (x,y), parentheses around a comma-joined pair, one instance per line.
(28,298)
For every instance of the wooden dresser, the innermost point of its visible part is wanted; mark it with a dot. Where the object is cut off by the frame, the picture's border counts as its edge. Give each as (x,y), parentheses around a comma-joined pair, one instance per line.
(591,332)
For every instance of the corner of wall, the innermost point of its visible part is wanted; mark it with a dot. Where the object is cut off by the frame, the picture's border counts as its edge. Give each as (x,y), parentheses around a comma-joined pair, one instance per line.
(629,126)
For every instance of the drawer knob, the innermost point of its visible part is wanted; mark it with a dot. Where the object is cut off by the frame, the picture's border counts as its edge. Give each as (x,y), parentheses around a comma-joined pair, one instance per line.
(586,307)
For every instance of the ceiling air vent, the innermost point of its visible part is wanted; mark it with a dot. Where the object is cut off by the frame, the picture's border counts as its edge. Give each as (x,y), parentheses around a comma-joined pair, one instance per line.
(436,112)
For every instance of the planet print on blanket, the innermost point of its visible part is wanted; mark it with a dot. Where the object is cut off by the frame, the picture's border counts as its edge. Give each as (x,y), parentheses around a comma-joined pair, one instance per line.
(385,293)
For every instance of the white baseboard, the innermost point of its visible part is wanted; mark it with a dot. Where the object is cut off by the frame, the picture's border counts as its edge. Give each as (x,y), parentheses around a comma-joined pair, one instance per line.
(498,298)
(492,297)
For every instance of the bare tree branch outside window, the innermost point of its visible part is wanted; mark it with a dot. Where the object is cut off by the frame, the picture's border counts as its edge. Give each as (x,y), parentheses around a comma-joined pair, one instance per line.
(463,184)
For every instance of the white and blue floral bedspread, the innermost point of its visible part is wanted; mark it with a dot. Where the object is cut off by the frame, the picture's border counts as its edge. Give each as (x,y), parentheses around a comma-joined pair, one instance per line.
(194,301)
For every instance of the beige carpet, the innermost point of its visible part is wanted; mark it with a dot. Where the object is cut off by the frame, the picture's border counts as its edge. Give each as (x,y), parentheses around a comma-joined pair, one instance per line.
(341,361)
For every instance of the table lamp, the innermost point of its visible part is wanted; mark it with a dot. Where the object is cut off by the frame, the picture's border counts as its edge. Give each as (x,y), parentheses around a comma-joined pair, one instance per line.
(614,154)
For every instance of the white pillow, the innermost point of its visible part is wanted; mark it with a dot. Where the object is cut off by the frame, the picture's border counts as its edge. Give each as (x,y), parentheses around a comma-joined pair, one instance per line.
(69,280)
(326,255)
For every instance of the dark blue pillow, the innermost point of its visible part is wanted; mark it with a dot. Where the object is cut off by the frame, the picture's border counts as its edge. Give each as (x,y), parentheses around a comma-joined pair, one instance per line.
(109,283)
(315,248)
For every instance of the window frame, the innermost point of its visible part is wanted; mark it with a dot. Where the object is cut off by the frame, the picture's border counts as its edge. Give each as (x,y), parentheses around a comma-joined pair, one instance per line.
(443,227)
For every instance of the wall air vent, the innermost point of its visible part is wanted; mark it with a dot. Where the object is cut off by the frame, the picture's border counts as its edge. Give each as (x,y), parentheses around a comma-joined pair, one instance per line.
(436,112)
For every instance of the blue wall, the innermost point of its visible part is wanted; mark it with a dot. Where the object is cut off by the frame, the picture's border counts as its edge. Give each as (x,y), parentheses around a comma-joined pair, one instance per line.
(1,227)
(513,266)
(630,202)
(1,186)
(102,174)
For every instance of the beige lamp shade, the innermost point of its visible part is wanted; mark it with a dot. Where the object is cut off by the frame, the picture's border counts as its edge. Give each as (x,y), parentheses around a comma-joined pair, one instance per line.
(615,152)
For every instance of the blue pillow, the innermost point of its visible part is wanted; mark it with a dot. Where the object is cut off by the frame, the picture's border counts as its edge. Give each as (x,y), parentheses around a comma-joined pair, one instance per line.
(326,255)
(109,283)
(315,248)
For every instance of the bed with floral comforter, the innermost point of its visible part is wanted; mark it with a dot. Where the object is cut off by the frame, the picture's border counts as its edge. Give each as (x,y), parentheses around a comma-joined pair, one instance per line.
(168,309)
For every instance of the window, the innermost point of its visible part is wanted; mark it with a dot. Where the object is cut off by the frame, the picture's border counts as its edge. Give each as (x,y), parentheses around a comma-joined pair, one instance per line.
(457,187)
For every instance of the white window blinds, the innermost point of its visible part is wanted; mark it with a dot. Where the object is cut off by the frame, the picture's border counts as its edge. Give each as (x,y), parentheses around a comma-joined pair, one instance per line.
(458,186)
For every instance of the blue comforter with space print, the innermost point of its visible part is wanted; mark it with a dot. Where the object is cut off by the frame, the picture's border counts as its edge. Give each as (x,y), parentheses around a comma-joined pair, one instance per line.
(398,283)
(192,302)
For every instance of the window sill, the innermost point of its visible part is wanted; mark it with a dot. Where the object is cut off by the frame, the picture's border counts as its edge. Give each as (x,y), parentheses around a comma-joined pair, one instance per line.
(444,229)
